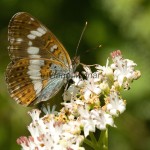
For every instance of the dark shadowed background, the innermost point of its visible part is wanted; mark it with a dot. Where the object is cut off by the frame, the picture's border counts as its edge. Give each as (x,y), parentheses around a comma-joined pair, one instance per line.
(114,24)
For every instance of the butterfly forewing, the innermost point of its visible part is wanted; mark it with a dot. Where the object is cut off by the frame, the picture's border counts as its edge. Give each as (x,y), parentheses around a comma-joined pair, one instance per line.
(29,38)
(37,56)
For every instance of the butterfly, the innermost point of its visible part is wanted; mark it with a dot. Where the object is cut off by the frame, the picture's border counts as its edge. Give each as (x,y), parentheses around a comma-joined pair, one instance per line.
(40,65)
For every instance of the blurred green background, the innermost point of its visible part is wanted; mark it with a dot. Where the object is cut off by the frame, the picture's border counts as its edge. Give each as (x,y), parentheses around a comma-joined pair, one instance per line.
(114,24)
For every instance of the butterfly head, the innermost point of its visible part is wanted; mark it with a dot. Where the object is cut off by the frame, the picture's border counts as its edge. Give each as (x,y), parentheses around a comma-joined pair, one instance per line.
(75,62)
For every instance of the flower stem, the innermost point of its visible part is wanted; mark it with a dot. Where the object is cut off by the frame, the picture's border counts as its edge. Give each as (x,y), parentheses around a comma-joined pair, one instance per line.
(101,143)
(103,140)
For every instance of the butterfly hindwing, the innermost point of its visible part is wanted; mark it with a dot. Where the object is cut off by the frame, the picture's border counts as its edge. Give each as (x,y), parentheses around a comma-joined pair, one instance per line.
(28,78)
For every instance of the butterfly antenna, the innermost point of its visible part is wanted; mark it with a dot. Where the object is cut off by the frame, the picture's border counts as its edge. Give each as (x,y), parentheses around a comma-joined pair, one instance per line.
(80,38)
(99,46)
(88,50)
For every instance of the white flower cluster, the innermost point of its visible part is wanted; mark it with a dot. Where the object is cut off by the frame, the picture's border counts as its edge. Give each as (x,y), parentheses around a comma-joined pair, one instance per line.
(90,102)
(51,133)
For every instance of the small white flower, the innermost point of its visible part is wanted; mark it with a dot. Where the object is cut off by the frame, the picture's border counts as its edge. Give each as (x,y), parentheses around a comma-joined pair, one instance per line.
(115,105)
(124,71)
(71,92)
(35,114)
(71,134)
(87,121)
(25,143)
(104,86)
(90,85)
(48,110)
(105,70)
(101,119)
